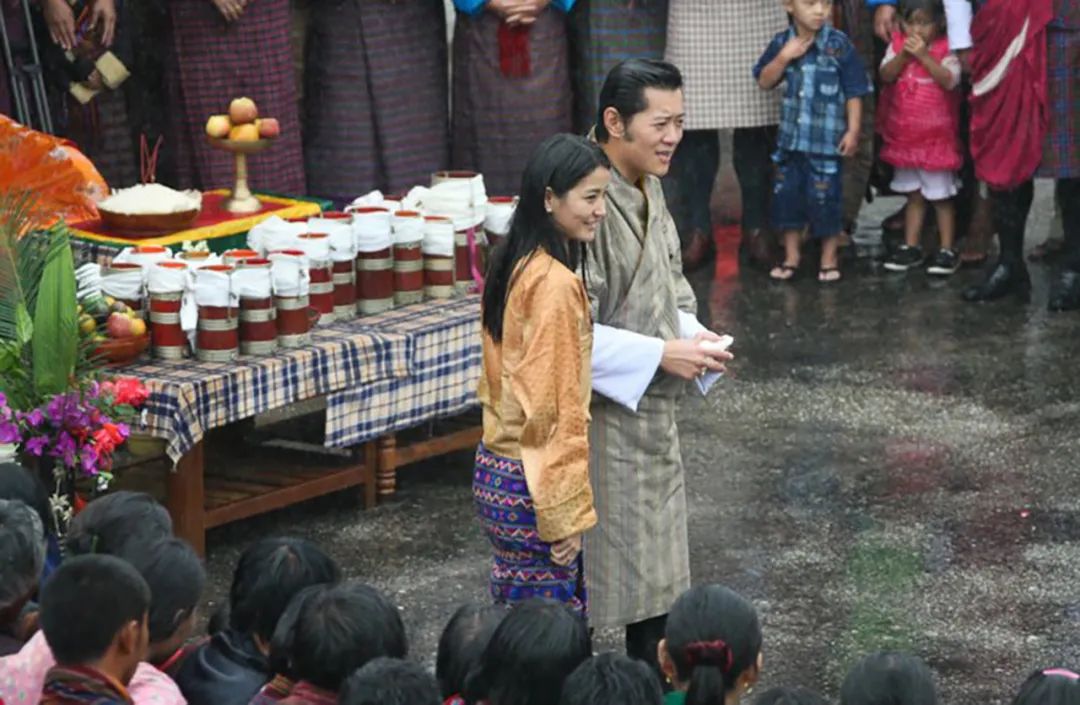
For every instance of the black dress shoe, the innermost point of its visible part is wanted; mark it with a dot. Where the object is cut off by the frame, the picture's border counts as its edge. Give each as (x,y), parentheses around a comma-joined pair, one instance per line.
(1066,295)
(758,249)
(1004,279)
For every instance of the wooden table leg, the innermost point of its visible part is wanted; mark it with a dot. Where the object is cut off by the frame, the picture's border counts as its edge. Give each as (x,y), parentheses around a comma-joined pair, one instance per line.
(387,465)
(371,469)
(186,499)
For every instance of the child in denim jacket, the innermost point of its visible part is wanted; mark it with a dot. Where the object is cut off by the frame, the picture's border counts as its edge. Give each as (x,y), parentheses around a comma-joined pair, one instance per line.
(819,125)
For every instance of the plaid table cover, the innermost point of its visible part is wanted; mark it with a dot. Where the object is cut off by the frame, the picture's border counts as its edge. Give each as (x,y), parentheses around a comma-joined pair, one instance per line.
(432,348)
(446,359)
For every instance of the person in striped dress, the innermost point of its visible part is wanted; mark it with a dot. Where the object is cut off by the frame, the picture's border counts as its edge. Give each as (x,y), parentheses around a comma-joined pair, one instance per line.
(605,32)
(375,96)
(225,49)
(511,85)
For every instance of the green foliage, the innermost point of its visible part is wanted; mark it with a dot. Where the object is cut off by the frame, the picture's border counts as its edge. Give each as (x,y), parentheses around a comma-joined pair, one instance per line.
(39,347)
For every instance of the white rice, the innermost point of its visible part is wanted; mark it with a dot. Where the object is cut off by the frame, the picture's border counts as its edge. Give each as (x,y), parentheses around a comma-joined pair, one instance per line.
(151,199)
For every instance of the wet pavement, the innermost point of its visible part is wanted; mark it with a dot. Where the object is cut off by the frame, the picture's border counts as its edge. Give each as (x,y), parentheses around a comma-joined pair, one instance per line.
(885,467)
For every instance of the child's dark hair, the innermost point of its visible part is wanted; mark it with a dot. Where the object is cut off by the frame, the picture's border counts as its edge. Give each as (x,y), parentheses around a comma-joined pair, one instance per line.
(889,678)
(16,482)
(108,523)
(934,8)
(388,681)
(713,636)
(612,679)
(790,696)
(336,630)
(1053,686)
(532,652)
(176,578)
(86,602)
(269,574)
(462,644)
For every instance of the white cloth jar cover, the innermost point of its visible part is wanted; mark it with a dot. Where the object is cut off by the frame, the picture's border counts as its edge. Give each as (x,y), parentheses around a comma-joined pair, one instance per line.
(438,237)
(372,230)
(213,287)
(274,234)
(408,227)
(499,216)
(289,274)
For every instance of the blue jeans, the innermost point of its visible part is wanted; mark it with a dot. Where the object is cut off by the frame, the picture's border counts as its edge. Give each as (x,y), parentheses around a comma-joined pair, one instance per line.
(807,191)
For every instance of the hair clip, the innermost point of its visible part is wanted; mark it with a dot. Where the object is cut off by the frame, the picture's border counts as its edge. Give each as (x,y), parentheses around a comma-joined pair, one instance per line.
(1061,672)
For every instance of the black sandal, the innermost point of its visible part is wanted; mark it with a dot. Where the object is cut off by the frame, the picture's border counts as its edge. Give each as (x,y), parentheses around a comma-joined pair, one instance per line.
(789,272)
(824,272)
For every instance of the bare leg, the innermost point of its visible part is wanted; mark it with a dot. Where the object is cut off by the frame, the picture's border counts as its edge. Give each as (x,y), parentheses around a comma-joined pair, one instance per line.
(914,215)
(830,271)
(946,222)
(792,253)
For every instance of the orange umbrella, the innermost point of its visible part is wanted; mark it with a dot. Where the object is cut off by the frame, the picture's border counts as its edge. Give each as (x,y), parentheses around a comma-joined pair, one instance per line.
(65,184)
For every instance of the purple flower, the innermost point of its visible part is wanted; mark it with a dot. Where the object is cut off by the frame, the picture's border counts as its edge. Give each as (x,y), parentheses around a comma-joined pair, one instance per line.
(124,429)
(65,449)
(36,445)
(89,460)
(33,418)
(9,432)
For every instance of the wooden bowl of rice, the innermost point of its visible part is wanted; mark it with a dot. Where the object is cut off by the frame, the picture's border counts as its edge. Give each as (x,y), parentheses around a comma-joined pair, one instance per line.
(149,209)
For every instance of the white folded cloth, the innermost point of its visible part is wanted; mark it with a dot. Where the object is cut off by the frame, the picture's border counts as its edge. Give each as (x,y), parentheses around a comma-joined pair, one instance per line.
(438,237)
(213,287)
(169,279)
(317,249)
(372,231)
(407,229)
(274,234)
(289,274)
(123,284)
(375,198)
(498,217)
(252,282)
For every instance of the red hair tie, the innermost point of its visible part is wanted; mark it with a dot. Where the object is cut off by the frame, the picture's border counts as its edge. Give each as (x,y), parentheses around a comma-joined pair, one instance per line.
(710,653)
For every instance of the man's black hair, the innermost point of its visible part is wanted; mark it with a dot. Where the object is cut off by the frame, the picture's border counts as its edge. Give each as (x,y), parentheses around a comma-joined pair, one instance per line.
(790,696)
(109,522)
(624,89)
(889,678)
(612,679)
(176,578)
(16,482)
(462,644)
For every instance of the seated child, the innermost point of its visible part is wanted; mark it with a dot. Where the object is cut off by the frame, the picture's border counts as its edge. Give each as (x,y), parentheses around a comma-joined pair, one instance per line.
(612,679)
(22,553)
(462,643)
(16,482)
(531,654)
(94,615)
(1054,686)
(231,666)
(711,649)
(127,525)
(888,678)
(388,681)
(337,630)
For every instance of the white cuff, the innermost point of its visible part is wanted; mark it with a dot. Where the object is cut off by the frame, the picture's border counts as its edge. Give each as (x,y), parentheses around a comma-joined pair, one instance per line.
(689,326)
(624,363)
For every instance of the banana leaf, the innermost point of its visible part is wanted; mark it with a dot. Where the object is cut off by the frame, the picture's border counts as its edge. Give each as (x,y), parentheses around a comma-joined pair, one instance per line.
(54,347)
(22,261)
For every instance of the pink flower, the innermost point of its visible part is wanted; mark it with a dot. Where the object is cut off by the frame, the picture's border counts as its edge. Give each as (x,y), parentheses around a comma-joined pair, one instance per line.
(130,391)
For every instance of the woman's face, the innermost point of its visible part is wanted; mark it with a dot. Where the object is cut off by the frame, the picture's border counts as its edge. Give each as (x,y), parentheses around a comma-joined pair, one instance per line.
(579,211)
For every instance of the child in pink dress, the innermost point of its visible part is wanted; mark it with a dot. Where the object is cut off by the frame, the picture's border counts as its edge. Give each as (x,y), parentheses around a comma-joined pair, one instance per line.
(920,126)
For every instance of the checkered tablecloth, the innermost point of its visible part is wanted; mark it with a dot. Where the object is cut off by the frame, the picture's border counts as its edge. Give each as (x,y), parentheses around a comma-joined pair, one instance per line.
(378,374)
(445,356)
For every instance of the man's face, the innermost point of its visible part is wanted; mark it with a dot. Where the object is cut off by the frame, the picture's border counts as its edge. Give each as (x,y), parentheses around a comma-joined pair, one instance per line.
(653,134)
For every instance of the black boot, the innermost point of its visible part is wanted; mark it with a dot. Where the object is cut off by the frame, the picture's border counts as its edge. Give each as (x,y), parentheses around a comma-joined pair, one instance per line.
(1065,296)
(1009,275)
(1004,279)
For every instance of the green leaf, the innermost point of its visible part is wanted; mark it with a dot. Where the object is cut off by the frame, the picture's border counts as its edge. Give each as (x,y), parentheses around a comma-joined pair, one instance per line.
(24,325)
(56,331)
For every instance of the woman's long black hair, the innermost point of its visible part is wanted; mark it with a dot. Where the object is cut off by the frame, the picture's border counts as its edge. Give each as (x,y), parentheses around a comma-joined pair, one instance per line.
(559,164)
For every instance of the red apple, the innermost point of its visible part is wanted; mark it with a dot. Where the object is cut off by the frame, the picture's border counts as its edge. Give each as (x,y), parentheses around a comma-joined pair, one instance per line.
(118,326)
(218,126)
(243,111)
(244,133)
(268,128)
